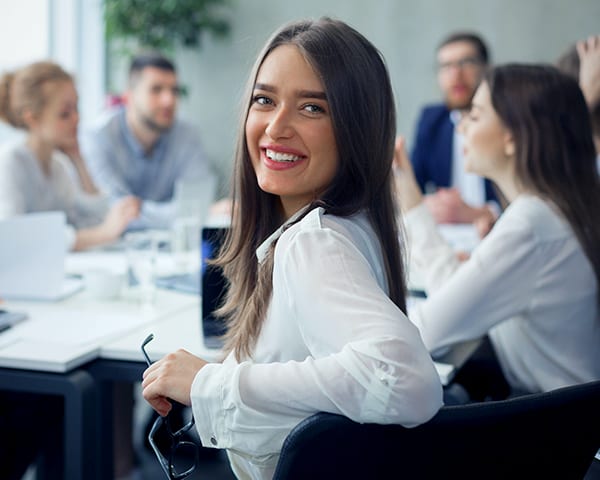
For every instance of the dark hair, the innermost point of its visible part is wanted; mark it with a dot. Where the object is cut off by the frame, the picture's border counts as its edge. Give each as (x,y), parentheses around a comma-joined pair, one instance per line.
(472,38)
(149,59)
(361,104)
(25,89)
(546,113)
(569,63)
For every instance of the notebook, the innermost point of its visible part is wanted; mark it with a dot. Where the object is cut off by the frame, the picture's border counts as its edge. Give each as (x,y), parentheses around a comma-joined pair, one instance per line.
(33,248)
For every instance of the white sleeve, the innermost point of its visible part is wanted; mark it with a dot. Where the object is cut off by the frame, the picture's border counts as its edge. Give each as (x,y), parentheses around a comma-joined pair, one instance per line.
(12,188)
(429,252)
(366,361)
(494,285)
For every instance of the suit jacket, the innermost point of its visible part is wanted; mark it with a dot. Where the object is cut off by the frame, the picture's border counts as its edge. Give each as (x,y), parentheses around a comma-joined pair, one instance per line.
(432,150)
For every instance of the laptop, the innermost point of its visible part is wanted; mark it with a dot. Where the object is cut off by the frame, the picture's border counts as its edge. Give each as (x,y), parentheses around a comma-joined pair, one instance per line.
(33,249)
(214,287)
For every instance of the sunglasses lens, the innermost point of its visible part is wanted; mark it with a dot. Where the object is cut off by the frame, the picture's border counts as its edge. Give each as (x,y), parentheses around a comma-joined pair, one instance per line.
(184,458)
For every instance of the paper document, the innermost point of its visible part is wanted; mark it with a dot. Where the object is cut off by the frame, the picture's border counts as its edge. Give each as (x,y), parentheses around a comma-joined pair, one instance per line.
(78,327)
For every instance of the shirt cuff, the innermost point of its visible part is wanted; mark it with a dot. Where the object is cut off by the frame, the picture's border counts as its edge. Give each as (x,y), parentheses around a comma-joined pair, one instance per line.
(208,398)
(419,221)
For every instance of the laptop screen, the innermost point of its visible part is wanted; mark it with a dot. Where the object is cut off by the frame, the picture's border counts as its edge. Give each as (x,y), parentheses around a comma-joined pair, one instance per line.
(33,248)
(214,286)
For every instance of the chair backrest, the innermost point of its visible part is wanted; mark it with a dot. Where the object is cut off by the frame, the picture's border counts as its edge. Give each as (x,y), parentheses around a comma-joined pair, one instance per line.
(545,435)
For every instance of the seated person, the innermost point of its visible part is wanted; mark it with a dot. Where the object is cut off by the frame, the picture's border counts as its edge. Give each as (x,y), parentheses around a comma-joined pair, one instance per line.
(454,196)
(531,285)
(316,300)
(41,99)
(142,149)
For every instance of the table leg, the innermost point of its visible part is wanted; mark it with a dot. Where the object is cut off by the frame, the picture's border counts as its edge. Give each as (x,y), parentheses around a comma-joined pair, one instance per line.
(81,452)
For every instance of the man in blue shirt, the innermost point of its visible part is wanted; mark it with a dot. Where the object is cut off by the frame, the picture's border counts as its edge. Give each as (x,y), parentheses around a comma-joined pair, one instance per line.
(455,196)
(142,149)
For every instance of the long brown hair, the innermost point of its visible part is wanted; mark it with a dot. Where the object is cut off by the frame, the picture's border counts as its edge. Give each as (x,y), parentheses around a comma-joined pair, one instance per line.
(361,103)
(547,115)
(25,89)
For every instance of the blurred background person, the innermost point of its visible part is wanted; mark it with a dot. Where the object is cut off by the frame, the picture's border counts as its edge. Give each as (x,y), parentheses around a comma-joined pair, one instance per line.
(454,196)
(35,170)
(142,149)
(530,288)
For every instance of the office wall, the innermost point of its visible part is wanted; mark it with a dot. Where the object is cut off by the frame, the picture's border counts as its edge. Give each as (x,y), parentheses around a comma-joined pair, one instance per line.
(406,32)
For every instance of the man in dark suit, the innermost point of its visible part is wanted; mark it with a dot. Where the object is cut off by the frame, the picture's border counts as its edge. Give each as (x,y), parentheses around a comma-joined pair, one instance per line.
(454,195)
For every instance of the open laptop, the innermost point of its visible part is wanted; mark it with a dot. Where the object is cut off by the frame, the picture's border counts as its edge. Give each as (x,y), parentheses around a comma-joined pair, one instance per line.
(214,287)
(33,248)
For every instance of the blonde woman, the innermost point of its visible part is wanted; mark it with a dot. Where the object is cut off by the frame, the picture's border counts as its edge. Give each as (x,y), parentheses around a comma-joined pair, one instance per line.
(34,174)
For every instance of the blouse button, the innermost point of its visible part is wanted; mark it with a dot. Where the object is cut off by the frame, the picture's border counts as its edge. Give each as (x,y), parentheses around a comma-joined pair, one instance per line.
(213,440)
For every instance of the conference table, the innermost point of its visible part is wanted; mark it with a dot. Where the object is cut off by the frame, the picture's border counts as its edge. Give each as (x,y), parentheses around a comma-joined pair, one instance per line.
(80,347)
(59,348)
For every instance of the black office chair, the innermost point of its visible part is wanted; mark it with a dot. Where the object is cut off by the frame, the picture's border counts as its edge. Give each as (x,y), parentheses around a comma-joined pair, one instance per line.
(547,435)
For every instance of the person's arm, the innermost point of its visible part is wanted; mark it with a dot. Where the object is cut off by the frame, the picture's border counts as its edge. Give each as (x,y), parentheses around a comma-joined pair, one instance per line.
(366,359)
(492,286)
(113,225)
(408,192)
(12,195)
(154,215)
(418,156)
(589,69)
(73,153)
(447,206)
(429,253)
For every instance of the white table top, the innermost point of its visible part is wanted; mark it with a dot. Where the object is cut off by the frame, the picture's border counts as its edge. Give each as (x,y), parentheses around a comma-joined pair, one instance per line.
(59,336)
(180,330)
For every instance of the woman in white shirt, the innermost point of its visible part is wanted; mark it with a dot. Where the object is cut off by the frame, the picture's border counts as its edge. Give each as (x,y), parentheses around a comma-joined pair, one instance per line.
(532,283)
(34,172)
(316,302)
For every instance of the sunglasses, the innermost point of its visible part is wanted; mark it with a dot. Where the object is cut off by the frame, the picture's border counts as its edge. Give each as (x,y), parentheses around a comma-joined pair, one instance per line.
(181,457)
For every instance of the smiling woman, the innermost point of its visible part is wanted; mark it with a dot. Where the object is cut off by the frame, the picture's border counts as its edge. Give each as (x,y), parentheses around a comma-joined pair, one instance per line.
(316,304)
(289,130)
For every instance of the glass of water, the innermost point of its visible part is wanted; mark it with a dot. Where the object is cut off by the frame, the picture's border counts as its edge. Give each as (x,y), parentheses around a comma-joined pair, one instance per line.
(142,251)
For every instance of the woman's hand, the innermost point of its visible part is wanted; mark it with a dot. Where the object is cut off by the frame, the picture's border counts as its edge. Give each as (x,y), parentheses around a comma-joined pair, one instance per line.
(171,378)
(114,224)
(71,150)
(118,217)
(589,69)
(407,190)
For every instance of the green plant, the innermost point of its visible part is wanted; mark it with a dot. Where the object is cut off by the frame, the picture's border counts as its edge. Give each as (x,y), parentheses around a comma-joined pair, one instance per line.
(163,24)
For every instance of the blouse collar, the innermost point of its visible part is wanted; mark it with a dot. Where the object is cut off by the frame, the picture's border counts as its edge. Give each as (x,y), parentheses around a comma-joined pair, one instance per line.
(263,248)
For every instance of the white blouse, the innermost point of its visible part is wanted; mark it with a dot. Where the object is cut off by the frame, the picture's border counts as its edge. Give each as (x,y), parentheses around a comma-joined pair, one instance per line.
(332,341)
(24,188)
(528,284)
